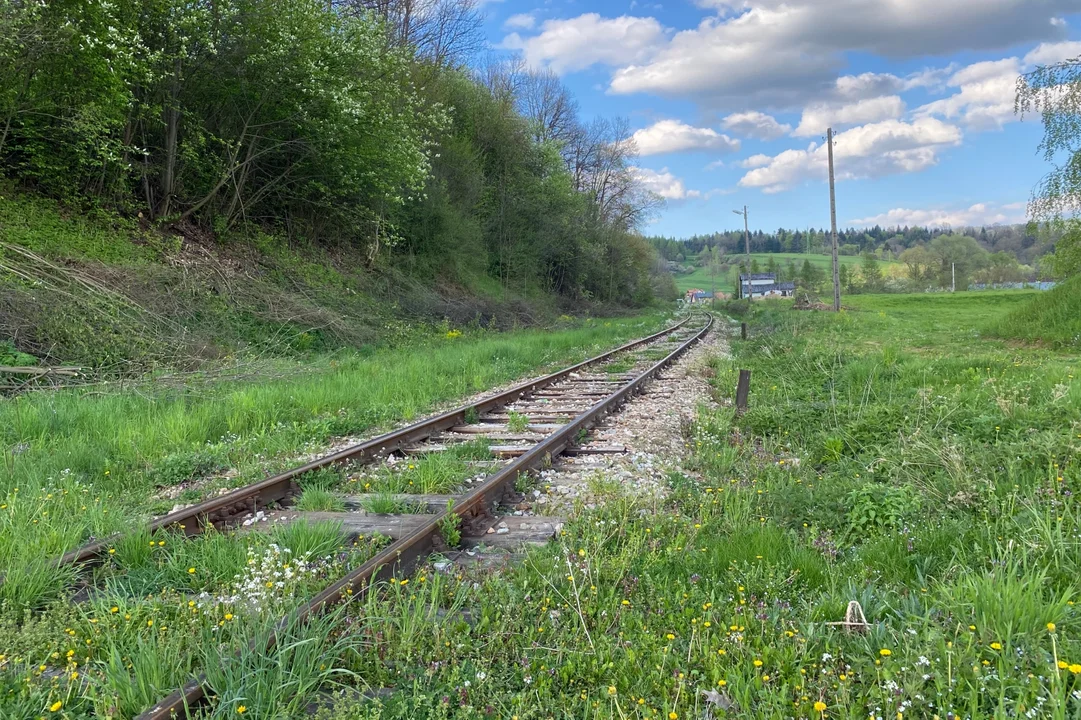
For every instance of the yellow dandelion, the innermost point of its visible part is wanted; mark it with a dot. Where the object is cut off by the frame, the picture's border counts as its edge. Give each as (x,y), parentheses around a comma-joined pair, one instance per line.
(1075,669)
(757,663)
(228,616)
(191,571)
(56,706)
(672,715)
(670,636)
(996,646)
(820,706)
(242,709)
(611,689)
(1050,627)
(885,652)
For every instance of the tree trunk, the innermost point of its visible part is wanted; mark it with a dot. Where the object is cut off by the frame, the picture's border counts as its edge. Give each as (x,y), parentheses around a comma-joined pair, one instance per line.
(171,118)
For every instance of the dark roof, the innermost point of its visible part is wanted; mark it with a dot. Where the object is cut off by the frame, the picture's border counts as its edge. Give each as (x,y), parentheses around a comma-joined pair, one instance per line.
(779,287)
(701,294)
(757,276)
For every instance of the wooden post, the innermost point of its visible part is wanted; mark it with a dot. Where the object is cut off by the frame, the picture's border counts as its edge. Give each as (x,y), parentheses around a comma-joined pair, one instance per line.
(743,330)
(833,228)
(743,389)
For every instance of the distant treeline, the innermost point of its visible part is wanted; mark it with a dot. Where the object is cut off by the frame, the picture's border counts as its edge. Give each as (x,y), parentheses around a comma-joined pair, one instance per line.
(884,243)
(352,122)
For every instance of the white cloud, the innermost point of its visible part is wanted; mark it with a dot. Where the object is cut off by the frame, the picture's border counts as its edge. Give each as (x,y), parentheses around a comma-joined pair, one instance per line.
(818,117)
(669,136)
(975,215)
(665,184)
(521,21)
(756,161)
(883,148)
(783,53)
(986,90)
(578,43)
(1051,53)
(754,124)
(985,98)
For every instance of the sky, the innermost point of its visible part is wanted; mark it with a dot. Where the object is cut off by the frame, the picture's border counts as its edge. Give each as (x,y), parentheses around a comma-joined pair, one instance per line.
(730,101)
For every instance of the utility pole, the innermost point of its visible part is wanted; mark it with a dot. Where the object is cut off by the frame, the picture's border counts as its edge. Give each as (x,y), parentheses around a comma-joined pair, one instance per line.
(747,244)
(953,277)
(833,227)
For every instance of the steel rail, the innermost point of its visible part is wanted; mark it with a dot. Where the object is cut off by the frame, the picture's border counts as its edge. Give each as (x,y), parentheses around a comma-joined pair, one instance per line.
(274,489)
(403,553)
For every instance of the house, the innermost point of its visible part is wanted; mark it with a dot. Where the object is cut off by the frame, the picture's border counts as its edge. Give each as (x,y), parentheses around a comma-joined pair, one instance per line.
(758,285)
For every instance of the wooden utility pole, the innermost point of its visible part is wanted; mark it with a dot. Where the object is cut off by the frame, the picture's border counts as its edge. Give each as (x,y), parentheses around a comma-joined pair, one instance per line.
(746,247)
(833,227)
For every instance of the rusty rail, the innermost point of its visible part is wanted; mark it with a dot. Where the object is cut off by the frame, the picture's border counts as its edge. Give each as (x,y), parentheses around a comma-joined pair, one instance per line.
(251,497)
(405,552)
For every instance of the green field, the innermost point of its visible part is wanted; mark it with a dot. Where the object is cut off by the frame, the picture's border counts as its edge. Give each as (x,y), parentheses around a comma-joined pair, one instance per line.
(700,277)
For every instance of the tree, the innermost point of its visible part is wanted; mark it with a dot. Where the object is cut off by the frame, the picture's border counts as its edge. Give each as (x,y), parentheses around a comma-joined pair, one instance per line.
(1054,91)
(871,272)
(918,263)
(845,277)
(958,255)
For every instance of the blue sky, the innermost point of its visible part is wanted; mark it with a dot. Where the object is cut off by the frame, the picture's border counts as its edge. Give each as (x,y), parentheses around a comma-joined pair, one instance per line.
(730,100)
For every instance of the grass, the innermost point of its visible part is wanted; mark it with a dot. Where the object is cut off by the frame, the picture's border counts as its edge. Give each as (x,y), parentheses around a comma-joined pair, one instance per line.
(700,278)
(891,456)
(85,463)
(1052,318)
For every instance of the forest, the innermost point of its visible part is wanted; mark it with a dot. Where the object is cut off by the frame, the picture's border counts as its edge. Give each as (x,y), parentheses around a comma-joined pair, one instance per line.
(920,258)
(375,126)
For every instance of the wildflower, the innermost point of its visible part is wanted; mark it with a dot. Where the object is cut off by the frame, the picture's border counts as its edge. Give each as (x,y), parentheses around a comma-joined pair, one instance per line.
(581,552)
(242,709)
(996,646)
(722,683)
(228,616)
(611,689)
(1075,669)
(885,652)
(56,706)
(820,706)
(670,636)
(672,715)
(1062,664)
(626,602)
(191,571)
(114,609)
(150,623)
(765,678)
(1050,627)
(757,663)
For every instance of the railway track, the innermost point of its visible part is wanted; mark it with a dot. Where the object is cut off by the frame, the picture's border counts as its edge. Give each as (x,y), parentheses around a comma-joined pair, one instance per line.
(528,428)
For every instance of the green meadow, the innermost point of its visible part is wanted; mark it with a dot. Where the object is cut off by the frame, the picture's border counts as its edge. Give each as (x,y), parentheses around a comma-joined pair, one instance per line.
(700,278)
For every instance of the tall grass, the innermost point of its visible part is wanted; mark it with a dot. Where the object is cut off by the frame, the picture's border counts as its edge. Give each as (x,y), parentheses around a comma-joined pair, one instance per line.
(1053,317)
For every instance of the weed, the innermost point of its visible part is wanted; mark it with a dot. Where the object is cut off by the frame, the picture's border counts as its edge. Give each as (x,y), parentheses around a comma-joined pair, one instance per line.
(450,527)
(517,422)
(317,499)
(385,504)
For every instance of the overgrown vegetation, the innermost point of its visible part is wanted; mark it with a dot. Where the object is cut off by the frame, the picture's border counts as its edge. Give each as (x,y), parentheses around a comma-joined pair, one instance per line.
(890,457)
(297,177)
(85,463)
